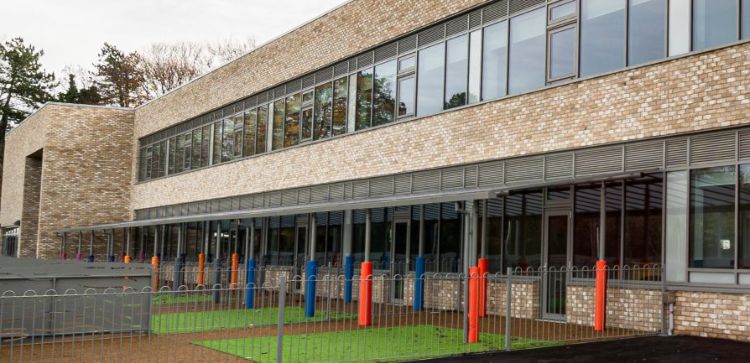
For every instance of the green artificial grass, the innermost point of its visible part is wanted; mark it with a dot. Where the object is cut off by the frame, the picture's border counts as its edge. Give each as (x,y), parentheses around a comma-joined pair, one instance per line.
(192,322)
(367,345)
(172,298)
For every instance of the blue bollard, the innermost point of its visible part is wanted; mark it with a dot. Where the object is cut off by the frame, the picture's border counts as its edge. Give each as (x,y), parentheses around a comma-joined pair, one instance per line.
(419,284)
(250,284)
(111,258)
(311,274)
(91,258)
(348,276)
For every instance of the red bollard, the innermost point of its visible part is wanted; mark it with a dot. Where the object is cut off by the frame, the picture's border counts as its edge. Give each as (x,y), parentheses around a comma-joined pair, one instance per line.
(600,295)
(235,266)
(201,267)
(473,304)
(155,264)
(365,295)
(483,265)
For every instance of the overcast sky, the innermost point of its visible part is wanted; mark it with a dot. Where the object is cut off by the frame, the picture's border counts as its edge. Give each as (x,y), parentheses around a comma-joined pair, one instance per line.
(71,32)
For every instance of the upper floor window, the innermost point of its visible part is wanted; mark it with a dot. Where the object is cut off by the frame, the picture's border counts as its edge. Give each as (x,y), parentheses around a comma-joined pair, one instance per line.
(527,51)
(714,23)
(647,29)
(745,20)
(430,75)
(495,61)
(456,71)
(602,36)
(384,96)
(323,111)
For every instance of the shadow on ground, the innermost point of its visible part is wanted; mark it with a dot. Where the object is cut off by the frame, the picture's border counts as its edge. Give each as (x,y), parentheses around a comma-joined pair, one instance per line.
(651,349)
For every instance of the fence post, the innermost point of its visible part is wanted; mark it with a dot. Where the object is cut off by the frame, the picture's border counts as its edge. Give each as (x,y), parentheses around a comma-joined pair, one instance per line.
(508,299)
(280,324)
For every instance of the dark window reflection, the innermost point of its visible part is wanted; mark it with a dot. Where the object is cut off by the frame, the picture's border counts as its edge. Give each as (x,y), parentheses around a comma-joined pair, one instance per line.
(456,71)
(712,236)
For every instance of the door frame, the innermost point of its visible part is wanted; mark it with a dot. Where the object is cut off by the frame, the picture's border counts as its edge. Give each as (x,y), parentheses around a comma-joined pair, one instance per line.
(554,212)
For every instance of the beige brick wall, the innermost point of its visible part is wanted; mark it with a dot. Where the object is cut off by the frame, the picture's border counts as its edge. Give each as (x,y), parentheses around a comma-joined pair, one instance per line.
(715,315)
(32,184)
(85,171)
(698,92)
(627,308)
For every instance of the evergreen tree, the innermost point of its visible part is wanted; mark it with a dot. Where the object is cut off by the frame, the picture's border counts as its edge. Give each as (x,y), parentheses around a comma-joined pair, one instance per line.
(86,95)
(71,94)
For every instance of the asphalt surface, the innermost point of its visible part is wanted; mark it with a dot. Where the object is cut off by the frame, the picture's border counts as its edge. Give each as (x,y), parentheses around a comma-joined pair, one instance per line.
(650,349)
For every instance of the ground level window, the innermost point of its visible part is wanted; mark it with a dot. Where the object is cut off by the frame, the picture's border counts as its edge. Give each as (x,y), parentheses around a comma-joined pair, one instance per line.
(712,197)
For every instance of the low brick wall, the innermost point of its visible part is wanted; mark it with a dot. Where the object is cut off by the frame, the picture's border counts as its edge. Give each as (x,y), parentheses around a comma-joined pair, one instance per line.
(524,298)
(714,315)
(627,308)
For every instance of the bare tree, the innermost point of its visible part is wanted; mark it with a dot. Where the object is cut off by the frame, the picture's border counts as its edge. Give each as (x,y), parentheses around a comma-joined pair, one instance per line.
(228,50)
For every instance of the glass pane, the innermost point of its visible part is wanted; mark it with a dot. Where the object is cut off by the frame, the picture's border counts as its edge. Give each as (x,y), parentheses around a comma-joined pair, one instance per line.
(562,11)
(278,125)
(495,234)
(323,111)
(679,27)
(179,163)
(475,66)
(456,72)
(712,217)
(227,147)
(523,230)
(239,124)
(339,106)
(195,149)
(450,239)
(647,31)
(172,155)
(384,107)
(262,129)
(586,226)
(527,51)
(495,62)
(562,53)
(291,122)
(430,75)
(676,237)
(613,218)
(745,21)
(744,225)
(602,36)
(351,112)
(186,152)
(205,145)
(406,88)
(306,120)
(364,99)
(714,23)
(643,211)
(406,63)
(216,157)
(251,124)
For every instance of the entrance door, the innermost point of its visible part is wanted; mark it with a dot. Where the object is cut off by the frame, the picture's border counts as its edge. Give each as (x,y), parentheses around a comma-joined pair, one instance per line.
(555,275)
(399,258)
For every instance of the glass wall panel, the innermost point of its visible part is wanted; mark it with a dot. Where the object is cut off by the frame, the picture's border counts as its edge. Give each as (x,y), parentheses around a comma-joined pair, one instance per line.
(406,88)
(291,122)
(586,225)
(714,23)
(172,158)
(239,124)
(380,247)
(431,236)
(251,127)
(323,111)
(450,238)
(163,158)
(456,71)
(613,220)
(679,26)
(278,125)
(186,152)
(643,213)
(306,116)
(216,157)
(647,27)
(495,234)
(261,145)
(527,51)
(142,164)
(351,111)
(562,53)
(205,145)
(430,75)
(602,36)
(149,160)
(179,151)
(195,159)
(227,144)
(745,20)
(334,239)
(712,199)
(495,61)
(358,236)
(364,99)
(522,230)
(744,221)
(339,106)
(475,66)
(384,97)
(676,236)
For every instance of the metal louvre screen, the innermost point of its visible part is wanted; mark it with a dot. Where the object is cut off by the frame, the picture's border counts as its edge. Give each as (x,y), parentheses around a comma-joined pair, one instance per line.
(431,35)
(712,147)
(744,144)
(520,5)
(495,11)
(604,160)
(647,155)
(381,187)
(558,166)
(676,152)
(490,174)
(426,181)
(453,178)
(526,169)
(457,25)
(386,51)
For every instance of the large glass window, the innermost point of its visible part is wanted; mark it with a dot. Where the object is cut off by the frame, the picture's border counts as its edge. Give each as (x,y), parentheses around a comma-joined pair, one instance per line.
(647,29)
(523,230)
(406,86)
(456,71)
(195,150)
(527,51)
(323,111)
(430,76)
(431,235)
(339,106)
(495,61)
(216,157)
(679,26)
(227,144)
(179,152)
(172,157)
(475,66)
(745,20)
(450,238)
(364,99)
(239,124)
(494,234)
(384,98)
(744,223)
(306,116)
(380,247)
(291,122)
(205,144)
(586,225)
(251,126)
(714,23)
(562,53)
(643,214)
(262,129)
(602,36)
(712,239)
(278,125)
(187,151)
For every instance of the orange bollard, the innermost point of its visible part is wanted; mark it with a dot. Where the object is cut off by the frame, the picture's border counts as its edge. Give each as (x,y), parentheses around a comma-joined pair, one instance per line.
(484,265)
(201,267)
(474,304)
(155,265)
(235,265)
(365,295)
(600,295)
(127,259)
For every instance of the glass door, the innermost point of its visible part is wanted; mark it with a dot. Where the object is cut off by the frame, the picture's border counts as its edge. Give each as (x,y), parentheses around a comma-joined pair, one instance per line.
(399,258)
(556,257)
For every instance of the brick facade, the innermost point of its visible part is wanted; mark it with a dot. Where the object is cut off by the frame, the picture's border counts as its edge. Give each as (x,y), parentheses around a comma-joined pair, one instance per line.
(637,309)
(715,315)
